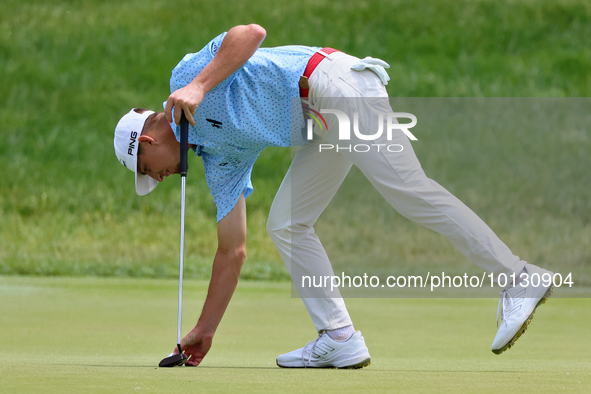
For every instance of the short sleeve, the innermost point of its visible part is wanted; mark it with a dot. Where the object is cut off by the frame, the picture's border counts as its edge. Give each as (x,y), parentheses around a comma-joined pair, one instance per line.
(193,63)
(214,45)
(227,178)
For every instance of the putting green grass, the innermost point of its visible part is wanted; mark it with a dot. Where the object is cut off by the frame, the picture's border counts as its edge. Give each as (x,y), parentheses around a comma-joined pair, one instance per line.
(107,335)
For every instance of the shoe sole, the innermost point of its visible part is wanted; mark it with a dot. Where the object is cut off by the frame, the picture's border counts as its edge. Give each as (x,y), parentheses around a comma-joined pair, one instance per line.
(525,323)
(358,365)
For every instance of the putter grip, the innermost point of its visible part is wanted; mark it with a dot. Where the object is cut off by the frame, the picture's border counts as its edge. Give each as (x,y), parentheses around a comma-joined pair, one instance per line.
(184,143)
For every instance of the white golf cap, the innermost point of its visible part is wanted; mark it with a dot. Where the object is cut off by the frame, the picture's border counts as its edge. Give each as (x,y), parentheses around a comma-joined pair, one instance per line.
(127,134)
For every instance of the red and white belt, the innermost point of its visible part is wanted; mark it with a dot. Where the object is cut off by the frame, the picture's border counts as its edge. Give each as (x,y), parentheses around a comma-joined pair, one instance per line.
(312,64)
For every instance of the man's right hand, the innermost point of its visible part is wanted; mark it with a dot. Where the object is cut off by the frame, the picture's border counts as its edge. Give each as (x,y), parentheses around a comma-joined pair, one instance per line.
(196,345)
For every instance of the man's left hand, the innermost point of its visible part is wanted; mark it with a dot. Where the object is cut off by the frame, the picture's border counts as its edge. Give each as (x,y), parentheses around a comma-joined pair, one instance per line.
(187,99)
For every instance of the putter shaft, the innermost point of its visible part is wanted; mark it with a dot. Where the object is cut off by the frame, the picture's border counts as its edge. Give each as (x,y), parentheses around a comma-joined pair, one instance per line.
(181,264)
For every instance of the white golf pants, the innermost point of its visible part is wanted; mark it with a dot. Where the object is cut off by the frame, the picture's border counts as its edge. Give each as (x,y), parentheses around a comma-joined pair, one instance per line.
(315,176)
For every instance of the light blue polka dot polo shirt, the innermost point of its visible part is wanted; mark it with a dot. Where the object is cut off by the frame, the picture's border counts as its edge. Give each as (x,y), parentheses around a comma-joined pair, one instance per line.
(247,112)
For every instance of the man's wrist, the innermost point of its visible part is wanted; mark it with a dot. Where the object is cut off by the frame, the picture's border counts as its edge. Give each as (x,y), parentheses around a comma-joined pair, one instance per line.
(204,331)
(199,86)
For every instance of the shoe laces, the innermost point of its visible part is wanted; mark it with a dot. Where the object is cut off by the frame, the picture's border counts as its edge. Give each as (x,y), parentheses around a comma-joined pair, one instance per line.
(507,301)
(315,341)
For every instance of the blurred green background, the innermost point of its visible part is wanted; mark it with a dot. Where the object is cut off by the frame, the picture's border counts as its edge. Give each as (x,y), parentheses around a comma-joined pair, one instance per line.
(70,69)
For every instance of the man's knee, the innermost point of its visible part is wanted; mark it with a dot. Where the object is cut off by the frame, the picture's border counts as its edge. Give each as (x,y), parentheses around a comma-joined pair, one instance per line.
(285,226)
(275,227)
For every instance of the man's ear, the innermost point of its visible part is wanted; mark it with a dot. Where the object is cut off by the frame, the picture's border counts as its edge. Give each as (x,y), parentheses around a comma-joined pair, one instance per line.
(146,139)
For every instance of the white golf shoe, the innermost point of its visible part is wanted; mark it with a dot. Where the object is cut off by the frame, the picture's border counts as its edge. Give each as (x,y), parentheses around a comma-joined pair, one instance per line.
(518,305)
(323,352)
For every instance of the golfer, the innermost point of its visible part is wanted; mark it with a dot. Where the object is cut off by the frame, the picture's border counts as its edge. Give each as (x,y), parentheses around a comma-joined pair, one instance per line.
(239,99)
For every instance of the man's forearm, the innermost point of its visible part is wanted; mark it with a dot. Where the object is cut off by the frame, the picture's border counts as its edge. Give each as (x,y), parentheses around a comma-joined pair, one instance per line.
(227,265)
(238,46)
(224,278)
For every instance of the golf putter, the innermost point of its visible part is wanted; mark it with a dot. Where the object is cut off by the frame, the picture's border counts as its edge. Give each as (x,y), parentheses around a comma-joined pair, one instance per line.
(174,360)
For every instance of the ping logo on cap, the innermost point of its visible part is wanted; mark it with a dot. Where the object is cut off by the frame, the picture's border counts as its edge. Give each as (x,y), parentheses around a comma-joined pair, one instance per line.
(132,140)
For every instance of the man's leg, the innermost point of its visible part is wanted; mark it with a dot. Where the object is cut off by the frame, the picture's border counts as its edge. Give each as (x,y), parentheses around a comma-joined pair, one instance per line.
(310,183)
(308,187)
(399,178)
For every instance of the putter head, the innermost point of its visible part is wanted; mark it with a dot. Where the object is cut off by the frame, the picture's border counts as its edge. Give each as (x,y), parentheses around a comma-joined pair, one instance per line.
(174,360)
